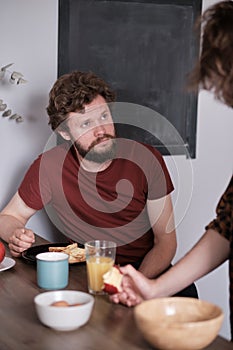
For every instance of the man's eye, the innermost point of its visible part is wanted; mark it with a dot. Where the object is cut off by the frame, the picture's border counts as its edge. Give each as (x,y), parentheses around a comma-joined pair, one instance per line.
(104,116)
(85,124)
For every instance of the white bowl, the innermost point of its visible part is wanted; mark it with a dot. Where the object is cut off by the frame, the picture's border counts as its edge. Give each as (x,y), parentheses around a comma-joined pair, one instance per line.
(65,318)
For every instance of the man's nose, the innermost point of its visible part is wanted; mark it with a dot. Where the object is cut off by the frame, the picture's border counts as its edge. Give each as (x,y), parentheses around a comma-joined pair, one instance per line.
(99,130)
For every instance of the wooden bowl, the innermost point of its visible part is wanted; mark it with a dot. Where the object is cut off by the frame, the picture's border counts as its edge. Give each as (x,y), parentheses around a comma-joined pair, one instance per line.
(178,323)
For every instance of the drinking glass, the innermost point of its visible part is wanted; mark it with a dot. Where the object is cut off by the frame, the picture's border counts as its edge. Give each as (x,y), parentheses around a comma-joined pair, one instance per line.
(100,257)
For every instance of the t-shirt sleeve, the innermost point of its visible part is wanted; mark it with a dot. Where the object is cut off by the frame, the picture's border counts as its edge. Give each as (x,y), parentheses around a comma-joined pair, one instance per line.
(160,183)
(34,189)
(223,223)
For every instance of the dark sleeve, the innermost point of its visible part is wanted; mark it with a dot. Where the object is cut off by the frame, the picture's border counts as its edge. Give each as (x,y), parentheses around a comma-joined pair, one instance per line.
(34,189)
(223,223)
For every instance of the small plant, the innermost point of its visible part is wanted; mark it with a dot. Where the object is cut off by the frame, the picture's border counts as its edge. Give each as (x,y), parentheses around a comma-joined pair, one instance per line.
(14,78)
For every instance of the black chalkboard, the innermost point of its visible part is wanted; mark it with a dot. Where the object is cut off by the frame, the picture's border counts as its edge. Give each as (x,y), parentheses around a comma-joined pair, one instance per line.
(144,50)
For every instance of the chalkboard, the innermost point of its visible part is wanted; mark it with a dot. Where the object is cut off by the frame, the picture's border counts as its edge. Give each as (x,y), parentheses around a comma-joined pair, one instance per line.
(144,50)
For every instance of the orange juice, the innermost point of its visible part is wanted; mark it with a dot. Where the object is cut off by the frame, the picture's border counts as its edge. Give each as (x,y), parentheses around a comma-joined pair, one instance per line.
(96,267)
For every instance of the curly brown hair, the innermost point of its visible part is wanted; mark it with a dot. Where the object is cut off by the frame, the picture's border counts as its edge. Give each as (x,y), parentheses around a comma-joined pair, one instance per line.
(72,91)
(214,70)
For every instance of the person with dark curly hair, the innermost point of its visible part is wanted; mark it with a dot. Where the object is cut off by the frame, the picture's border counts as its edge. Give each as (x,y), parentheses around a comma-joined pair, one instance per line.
(214,69)
(213,72)
(71,92)
(98,186)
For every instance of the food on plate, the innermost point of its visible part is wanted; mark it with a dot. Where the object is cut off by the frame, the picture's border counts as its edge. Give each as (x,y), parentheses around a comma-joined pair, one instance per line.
(75,253)
(2,252)
(63,303)
(112,280)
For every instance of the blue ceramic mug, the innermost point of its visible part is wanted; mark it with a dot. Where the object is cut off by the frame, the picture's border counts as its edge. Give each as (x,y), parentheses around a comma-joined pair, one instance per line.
(52,270)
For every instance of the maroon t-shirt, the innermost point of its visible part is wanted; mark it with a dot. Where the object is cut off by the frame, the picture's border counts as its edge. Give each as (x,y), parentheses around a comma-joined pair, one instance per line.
(110,204)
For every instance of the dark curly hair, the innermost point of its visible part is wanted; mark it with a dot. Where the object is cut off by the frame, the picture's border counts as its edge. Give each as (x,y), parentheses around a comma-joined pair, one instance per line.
(214,70)
(72,91)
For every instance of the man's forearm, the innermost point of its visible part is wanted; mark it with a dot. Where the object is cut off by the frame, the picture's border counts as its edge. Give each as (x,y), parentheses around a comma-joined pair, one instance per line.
(8,224)
(157,260)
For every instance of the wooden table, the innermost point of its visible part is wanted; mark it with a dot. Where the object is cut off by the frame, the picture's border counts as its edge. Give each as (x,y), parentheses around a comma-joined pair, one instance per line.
(111,326)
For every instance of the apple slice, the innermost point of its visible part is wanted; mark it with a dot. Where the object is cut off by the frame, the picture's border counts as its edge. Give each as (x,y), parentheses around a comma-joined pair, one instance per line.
(112,280)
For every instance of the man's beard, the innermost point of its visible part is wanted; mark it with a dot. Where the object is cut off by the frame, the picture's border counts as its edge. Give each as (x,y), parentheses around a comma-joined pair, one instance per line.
(98,156)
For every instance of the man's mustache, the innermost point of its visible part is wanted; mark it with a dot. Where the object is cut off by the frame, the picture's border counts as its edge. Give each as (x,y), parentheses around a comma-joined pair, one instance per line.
(99,139)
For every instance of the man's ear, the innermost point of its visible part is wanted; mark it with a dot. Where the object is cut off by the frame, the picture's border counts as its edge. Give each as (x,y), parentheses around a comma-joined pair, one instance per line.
(64,134)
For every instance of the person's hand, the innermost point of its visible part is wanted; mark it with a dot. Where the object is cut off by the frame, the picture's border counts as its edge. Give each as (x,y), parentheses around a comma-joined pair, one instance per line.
(135,287)
(20,240)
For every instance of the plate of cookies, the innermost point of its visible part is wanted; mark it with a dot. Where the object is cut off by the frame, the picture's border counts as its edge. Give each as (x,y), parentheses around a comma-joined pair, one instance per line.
(75,251)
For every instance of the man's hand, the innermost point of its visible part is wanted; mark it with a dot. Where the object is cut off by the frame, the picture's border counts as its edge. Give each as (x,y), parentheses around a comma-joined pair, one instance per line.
(20,240)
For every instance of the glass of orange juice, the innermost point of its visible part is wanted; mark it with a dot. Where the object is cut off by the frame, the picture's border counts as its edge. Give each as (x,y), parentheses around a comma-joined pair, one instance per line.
(100,257)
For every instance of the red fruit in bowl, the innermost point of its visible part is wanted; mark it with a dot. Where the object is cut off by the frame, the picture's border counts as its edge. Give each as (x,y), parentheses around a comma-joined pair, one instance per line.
(112,280)
(2,252)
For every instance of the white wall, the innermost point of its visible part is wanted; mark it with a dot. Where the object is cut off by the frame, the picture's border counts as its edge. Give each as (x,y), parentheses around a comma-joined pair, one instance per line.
(28,37)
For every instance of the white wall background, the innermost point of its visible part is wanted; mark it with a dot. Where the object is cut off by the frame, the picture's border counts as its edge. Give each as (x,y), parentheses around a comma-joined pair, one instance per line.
(28,38)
